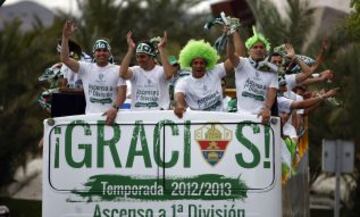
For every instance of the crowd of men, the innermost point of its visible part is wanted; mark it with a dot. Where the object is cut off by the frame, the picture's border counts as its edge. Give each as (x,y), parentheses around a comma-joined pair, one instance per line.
(268,82)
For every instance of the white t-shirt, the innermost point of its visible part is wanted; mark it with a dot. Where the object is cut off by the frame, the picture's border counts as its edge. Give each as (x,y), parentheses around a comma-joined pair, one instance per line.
(289,130)
(284,106)
(291,84)
(295,97)
(226,100)
(290,81)
(290,94)
(252,86)
(150,89)
(127,103)
(203,93)
(100,84)
(299,98)
(73,80)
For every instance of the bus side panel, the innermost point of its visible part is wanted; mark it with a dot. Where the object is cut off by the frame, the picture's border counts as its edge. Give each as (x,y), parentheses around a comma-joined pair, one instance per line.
(154,164)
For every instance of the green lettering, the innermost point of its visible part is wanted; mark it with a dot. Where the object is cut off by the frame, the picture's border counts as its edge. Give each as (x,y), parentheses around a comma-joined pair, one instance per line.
(114,212)
(144,152)
(57,131)
(267,163)
(162,213)
(106,212)
(157,152)
(187,144)
(57,153)
(110,143)
(249,145)
(97,212)
(86,161)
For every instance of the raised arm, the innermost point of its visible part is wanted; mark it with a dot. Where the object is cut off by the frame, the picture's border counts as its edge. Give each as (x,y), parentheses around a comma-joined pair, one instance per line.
(239,45)
(68,29)
(125,72)
(320,58)
(307,103)
(305,69)
(235,48)
(168,69)
(324,76)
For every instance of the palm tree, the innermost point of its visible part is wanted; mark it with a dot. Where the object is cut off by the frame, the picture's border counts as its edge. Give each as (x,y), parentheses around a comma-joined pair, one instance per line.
(293,27)
(18,93)
(25,55)
(345,121)
(107,19)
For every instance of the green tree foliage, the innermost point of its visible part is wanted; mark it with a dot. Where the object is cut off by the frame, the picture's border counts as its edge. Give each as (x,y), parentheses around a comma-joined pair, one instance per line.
(341,122)
(25,55)
(353,23)
(337,122)
(293,27)
(346,121)
(111,20)
(342,56)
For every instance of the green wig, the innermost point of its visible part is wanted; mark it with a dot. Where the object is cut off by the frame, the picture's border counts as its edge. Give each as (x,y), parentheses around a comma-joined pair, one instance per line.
(198,49)
(257,37)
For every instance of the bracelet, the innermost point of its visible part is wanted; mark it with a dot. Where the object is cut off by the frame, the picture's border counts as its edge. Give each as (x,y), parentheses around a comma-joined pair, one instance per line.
(115,106)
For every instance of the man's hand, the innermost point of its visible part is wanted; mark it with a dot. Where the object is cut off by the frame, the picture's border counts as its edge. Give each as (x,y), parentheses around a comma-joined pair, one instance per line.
(130,41)
(327,75)
(179,111)
(290,52)
(110,115)
(69,28)
(283,117)
(265,114)
(163,41)
(331,92)
(226,30)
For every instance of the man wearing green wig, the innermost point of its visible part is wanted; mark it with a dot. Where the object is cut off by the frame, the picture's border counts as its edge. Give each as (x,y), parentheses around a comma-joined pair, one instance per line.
(255,79)
(149,81)
(104,91)
(202,89)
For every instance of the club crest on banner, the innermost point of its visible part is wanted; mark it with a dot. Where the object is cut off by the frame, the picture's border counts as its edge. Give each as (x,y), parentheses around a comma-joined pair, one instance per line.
(213,140)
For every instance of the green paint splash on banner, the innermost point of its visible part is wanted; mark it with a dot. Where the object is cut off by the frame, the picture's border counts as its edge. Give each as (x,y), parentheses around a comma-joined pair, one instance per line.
(202,187)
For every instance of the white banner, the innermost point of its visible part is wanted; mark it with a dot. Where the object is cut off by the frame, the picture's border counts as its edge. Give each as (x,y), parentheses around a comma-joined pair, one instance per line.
(150,163)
